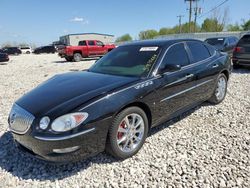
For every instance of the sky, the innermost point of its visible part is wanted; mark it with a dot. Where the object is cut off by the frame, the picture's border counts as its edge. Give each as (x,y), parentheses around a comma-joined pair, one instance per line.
(42,22)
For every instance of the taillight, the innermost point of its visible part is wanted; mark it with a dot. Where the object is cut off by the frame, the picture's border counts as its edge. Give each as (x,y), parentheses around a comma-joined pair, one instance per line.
(239,49)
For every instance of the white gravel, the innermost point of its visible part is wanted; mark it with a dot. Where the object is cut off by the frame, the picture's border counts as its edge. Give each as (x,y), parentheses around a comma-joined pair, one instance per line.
(206,147)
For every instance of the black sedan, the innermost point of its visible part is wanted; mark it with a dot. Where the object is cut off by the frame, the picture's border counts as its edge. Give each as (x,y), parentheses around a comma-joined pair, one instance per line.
(113,105)
(224,44)
(4,57)
(241,54)
(12,50)
(45,49)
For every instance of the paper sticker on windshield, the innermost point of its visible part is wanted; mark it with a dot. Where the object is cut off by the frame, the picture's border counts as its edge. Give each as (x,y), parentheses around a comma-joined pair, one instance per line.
(146,49)
(220,39)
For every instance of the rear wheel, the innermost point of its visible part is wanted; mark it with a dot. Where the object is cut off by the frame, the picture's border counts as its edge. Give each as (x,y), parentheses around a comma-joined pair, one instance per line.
(220,90)
(77,57)
(127,134)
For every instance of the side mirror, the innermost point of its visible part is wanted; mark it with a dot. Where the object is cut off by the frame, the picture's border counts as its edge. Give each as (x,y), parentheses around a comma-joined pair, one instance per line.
(169,68)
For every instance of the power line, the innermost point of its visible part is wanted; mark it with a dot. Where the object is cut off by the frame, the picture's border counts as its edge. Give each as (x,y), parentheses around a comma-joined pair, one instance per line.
(213,8)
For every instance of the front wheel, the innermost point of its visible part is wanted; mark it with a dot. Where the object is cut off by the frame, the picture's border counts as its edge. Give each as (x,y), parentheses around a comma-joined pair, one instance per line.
(77,57)
(127,134)
(220,90)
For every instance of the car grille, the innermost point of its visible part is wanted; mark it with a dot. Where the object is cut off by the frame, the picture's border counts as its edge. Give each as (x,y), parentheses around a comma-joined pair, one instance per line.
(20,120)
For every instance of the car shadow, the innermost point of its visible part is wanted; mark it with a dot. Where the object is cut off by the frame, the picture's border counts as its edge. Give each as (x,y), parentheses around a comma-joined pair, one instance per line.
(84,59)
(241,70)
(26,167)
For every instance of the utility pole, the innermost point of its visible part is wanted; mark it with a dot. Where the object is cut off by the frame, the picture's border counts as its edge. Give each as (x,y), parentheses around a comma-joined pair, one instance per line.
(190,13)
(180,17)
(195,14)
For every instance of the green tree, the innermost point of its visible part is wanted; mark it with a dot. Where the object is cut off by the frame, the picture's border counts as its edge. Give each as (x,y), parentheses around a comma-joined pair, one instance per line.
(148,34)
(234,27)
(166,31)
(212,25)
(246,25)
(124,38)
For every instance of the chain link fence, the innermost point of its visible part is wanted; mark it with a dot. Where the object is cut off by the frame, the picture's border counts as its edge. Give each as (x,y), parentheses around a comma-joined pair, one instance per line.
(202,36)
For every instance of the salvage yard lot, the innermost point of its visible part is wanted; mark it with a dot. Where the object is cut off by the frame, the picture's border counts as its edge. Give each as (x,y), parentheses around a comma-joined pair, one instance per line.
(208,146)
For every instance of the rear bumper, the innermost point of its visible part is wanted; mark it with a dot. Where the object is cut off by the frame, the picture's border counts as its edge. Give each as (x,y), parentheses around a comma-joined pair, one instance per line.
(83,144)
(241,61)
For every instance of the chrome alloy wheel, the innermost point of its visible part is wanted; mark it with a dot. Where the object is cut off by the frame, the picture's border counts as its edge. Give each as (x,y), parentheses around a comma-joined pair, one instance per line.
(221,88)
(130,132)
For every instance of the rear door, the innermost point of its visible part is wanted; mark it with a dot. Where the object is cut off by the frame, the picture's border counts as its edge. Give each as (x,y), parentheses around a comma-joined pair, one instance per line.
(175,88)
(92,48)
(206,67)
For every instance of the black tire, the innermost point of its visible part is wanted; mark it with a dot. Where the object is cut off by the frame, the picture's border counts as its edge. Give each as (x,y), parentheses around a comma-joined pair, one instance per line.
(77,57)
(112,145)
(69,59)
(27,52)
(235,66)
(215,99)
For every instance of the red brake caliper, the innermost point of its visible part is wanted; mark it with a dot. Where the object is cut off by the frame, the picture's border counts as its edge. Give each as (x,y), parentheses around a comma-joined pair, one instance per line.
(120,134)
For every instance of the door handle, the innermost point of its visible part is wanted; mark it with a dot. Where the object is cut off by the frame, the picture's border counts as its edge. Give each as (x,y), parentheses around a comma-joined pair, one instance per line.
(215,65)
(189,75)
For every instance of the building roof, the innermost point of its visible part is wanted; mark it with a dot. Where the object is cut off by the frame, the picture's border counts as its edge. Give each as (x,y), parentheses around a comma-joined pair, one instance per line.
(89,34)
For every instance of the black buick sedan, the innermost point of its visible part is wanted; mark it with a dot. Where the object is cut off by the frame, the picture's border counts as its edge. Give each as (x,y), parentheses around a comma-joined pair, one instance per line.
(113,105)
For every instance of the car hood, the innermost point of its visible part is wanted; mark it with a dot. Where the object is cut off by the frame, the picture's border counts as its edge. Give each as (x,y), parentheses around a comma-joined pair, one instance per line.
(69,90)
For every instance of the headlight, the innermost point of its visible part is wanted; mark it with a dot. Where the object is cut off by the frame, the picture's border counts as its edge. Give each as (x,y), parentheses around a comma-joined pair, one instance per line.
(68,121)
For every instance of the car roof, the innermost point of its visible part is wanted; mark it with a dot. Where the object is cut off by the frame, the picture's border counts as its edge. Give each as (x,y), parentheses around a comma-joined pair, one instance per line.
(158,42)
(221,37)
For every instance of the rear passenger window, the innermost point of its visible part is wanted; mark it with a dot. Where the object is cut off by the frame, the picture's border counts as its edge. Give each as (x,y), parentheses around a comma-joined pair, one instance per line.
(211,49)
(82,43)
(176,55)
(91,43)
(198,50)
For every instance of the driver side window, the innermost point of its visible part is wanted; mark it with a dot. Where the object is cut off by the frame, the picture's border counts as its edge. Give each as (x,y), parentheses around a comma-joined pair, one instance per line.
(176,55)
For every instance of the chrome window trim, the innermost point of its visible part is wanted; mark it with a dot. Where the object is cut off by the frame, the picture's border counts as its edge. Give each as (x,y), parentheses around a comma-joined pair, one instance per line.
(186,90)
(64,137)
(184,67)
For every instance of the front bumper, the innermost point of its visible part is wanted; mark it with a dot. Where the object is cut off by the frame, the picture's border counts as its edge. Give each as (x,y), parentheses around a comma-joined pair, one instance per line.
(88,143)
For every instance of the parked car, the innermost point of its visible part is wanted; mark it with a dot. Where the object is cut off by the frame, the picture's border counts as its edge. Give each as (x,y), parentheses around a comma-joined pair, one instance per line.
(241,53)
(25,49)
(224,44)
(113,105)
(4,57)
(45,49)
(85,48)
(12,50)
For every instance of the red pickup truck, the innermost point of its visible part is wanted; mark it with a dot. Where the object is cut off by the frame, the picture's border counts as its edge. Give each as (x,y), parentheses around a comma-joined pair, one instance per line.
(85,48)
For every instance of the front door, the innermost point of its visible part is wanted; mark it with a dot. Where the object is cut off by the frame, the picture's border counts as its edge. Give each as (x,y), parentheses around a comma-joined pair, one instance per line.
(175,88)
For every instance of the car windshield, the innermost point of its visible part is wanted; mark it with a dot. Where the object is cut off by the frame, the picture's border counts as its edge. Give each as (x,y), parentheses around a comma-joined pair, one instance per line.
(215,41)
(134,61)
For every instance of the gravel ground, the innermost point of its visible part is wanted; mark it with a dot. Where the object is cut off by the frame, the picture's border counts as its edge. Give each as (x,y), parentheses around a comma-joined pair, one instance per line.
(206,147)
